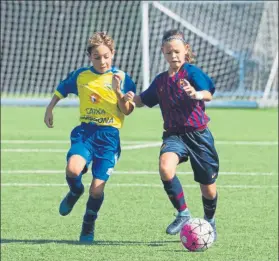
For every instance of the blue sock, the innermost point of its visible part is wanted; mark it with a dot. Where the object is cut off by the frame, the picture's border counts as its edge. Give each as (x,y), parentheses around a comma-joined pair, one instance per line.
(93,206)
(175,193)
(75,184)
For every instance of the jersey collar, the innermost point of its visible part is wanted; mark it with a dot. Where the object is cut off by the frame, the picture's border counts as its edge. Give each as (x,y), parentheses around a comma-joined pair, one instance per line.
(96,72)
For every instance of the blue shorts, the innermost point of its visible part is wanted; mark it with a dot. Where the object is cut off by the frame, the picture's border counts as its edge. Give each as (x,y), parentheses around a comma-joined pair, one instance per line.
(97,144)
(199,147)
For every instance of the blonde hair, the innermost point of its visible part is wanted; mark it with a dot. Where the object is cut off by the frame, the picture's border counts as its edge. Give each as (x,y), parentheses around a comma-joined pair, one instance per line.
(98,39)
(176,34)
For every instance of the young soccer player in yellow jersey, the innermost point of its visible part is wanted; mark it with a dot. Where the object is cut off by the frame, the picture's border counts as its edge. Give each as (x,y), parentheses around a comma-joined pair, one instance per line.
(100,89)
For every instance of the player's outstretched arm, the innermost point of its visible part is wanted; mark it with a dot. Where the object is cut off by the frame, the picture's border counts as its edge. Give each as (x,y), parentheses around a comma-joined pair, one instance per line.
(130,96)
(48,114)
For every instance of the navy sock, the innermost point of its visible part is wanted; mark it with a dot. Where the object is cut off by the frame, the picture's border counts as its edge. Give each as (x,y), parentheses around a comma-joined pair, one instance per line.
(93,205)
(209,206)
(175,193)
(75,184)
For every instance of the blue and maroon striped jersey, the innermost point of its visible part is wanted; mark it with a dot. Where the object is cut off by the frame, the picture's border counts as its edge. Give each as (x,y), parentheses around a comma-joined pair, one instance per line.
(180,112)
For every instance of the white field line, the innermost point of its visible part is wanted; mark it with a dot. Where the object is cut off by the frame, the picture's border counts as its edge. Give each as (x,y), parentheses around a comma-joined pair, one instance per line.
(130,185)
(255,143)
(132,147)
(252,143)
(136,172)
(34,150)
(141,146)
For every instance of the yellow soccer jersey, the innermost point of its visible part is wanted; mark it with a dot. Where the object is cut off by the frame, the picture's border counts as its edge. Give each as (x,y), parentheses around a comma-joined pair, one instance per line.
(98,101)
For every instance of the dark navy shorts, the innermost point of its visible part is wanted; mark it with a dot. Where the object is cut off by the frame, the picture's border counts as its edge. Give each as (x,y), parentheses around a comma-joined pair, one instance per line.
(199,147)
(97,144)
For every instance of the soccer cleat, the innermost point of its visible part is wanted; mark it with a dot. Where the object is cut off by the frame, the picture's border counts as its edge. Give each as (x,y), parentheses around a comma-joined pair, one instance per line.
(87,233)
(68,203)
(177,224)
(213,224)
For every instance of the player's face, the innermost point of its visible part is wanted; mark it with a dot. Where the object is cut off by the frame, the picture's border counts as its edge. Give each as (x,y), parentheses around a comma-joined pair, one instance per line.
(174,52)
(101,58)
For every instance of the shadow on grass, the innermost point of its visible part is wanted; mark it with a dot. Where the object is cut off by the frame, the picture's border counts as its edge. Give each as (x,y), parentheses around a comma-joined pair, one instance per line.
(178,251)
(97,242)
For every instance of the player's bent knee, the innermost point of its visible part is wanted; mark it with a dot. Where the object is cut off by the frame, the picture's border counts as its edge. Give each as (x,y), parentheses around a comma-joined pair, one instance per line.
(168,162)
(167,169)
(73,171)
(75,165)
(166,172)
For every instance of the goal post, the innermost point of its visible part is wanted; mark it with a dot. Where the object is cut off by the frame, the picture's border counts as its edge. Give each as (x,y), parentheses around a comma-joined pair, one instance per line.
(145,45)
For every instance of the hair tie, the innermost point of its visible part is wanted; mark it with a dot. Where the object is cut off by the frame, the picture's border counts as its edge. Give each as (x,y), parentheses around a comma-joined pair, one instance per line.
(174,38)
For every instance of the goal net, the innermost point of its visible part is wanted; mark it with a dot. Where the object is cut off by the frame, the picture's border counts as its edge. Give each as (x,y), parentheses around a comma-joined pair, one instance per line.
(236,43)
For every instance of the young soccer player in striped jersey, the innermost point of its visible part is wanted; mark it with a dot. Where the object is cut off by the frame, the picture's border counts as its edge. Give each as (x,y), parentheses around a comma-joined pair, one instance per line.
(181,92)
(100,89)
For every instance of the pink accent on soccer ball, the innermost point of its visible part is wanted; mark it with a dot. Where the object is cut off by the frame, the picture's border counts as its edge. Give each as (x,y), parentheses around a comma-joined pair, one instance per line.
(189,240)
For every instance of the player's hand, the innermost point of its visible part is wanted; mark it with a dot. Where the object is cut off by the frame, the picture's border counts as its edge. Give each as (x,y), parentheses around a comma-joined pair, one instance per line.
(129,96)
(189,89)
(116,82)
(48,118)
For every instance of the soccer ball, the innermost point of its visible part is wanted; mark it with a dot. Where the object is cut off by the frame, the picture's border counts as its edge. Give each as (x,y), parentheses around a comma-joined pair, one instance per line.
(197,235)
